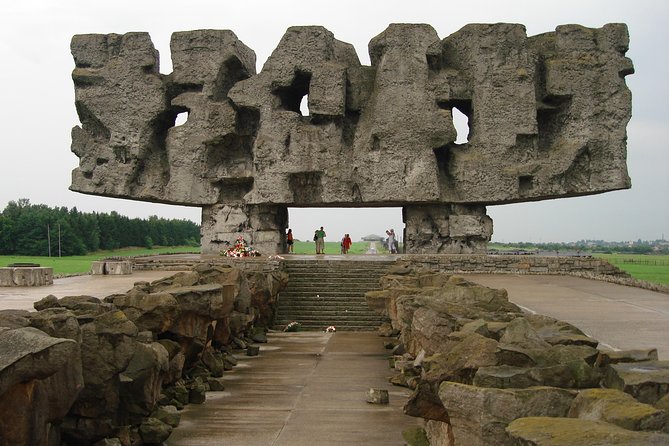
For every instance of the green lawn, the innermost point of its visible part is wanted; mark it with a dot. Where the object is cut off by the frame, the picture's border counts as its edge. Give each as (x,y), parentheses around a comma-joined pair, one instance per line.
(334,248)
(652,268)
(82,264)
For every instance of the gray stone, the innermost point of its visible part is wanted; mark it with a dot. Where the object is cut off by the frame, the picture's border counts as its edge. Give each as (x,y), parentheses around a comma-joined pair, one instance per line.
(615,357)
(550,431)
(40,378)
(197,393)
(26,276)
(547,119)
(378,396)
(253,350)
(646,381)
(168,415)
(154,431)
(619,408)
(478,416)
(216,384)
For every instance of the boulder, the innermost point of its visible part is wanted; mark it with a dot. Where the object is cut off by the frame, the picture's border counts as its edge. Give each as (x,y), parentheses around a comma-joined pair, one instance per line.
(462,361)
(140,384)
(197,391)
(548,431)
(155,312)
(154,431)
(520,333)
(614,357)
(84,305)
(14,318)
(646,381)
(57,322)
(168,415)
(214,361)
(478,416)
(619,408)
(429,331)
(108,345)
(49,301)
(40,377)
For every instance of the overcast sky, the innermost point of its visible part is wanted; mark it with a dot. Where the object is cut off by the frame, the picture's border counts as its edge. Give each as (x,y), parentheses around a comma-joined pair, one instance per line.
(38,99)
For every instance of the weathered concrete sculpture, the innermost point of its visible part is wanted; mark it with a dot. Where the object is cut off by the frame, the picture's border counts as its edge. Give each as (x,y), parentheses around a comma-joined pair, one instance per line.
(547,117)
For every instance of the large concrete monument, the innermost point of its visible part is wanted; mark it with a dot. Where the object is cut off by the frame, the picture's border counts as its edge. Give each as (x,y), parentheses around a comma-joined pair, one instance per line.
(547,117)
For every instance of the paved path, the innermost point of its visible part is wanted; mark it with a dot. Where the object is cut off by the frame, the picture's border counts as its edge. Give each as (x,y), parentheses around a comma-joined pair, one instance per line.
(305,388)
(621,316)
(22,298)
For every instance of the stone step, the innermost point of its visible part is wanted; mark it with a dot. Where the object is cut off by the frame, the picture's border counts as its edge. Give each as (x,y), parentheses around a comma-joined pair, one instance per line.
(325,287)
(325,322)
(335,279)
(331,312)
(323,293)
(352,304)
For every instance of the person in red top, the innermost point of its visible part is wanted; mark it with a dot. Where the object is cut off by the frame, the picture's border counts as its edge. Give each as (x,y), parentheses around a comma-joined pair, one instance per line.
(346,244)
(289,240)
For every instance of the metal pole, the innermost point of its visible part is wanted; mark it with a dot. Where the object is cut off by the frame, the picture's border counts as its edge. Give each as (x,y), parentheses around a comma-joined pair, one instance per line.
(58,239)
(48,238)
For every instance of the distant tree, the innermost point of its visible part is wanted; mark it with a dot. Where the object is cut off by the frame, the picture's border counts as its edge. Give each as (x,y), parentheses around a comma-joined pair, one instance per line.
(26,229)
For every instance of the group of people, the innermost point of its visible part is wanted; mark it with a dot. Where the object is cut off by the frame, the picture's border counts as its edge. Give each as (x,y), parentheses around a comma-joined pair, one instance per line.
(319,238)
(345,244)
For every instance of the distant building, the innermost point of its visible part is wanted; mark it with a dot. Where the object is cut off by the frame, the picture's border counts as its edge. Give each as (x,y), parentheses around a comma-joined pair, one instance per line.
(373,238)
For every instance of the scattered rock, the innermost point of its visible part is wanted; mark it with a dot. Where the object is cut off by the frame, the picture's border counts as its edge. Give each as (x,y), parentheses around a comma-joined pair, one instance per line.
(154,431)
(378,396)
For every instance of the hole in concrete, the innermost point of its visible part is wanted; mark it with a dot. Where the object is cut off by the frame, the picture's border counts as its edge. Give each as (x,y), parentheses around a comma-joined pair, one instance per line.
(461,124)
(304,105)
(181,119)
(358,222)
(525,184)
(293,96)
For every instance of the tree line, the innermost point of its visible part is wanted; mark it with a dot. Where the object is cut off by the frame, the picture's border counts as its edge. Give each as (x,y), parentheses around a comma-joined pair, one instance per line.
(27,229)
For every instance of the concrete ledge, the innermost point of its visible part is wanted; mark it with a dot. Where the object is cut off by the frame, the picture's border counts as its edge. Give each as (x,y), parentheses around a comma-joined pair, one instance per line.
(112,268)
(26,276)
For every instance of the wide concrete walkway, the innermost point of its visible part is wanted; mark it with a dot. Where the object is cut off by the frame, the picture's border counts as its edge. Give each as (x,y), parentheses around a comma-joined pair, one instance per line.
(22,298)
(620,317)
(305,388)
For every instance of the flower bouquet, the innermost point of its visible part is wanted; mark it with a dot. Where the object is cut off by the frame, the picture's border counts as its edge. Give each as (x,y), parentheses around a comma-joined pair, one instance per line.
(240,249)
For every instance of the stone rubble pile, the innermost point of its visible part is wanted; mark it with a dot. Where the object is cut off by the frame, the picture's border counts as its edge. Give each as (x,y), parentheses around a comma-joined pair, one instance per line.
(486,373)
(85,371)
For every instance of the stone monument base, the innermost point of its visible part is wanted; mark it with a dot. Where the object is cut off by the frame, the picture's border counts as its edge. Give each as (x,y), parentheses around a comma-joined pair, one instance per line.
(26,276)
(112,268)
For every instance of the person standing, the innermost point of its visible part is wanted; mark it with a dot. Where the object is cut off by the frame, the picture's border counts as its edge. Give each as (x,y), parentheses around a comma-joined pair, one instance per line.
(289,240)
(346,244)
(392,247)
(320,241)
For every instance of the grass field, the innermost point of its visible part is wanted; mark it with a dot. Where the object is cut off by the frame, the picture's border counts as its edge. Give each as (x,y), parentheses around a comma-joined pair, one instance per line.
(82,264)
(332,248)
(652,268)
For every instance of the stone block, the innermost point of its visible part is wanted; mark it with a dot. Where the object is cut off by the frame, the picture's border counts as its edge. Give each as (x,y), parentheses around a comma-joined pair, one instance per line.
(619,408)
(116,268)
(478,416)
(378,396)
(26,276)
(646,381)
(548,431)
(98,268)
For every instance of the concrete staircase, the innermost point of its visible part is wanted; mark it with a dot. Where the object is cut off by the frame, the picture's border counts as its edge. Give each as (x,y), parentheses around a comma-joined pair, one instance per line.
(323,292)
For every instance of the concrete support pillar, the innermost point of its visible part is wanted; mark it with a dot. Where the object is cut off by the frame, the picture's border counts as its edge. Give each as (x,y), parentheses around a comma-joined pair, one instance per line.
(262,226)
(446,229)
